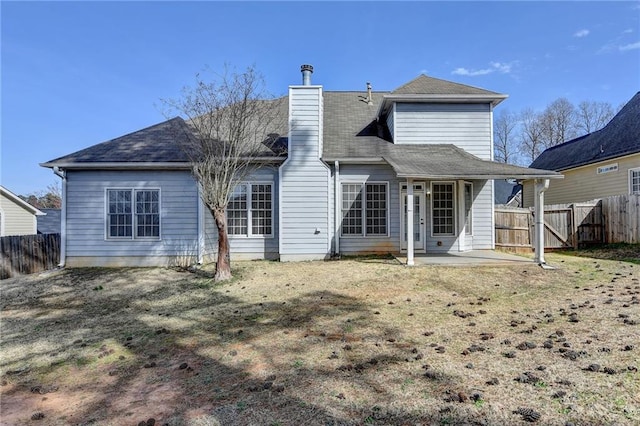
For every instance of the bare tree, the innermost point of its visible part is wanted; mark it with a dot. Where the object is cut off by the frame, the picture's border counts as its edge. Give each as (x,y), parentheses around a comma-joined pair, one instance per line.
(592,116)
(233,130)
(558,122)
(531,142)
(504,127)
(51,198)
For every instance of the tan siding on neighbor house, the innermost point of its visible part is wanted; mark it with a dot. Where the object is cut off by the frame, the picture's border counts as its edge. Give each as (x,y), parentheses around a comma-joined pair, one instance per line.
(584,183)
(15,219)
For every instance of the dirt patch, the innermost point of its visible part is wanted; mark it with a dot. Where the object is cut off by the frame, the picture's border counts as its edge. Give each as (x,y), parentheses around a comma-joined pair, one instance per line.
(346,342)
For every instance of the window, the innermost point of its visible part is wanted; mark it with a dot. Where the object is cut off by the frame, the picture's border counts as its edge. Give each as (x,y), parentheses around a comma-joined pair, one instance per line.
(133,213)
(468,202)
(368,218)
(250,210)
(634,181)
(442,197)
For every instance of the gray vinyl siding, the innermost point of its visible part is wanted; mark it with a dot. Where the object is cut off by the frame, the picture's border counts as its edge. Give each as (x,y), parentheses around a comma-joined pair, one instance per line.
(86,214)
(248,247)
(391,122)
(483,216)
(467,126)
(16,220)
(373,244)
(305,226)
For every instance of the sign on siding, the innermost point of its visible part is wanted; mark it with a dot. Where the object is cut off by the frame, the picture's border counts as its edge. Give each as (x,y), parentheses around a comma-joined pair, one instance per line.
(608,168)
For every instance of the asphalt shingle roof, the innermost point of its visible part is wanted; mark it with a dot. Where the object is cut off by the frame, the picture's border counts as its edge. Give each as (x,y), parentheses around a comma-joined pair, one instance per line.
(621,136)
(351,129)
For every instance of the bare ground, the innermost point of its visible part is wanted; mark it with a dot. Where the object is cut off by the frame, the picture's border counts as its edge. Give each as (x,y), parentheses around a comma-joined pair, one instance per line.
(359,341)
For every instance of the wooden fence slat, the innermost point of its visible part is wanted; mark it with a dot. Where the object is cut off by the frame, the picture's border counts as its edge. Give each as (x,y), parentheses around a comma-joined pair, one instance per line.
(609,220)
(27,254)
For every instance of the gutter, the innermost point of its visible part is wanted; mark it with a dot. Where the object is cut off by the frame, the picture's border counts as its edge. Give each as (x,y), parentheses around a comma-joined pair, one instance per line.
(63,216)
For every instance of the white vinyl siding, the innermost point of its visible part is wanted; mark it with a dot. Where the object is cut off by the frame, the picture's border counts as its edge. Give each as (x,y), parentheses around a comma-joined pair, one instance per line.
(365,209)
(467,126)
(634,181)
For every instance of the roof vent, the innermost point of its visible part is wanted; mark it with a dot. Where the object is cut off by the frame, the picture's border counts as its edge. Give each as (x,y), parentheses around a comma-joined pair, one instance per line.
(369,97)
(307,70)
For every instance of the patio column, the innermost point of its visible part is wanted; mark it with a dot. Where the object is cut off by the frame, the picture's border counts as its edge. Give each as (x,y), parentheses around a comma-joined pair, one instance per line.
(410,261)
(538,205)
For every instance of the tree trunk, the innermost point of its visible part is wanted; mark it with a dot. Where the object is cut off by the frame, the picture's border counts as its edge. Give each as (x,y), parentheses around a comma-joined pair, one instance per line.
(223,265)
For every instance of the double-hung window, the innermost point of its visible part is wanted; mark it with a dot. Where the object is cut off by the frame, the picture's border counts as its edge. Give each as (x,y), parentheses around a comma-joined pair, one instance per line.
(250,210)
(443,208)
(133,214)
(364,209)
(634,181)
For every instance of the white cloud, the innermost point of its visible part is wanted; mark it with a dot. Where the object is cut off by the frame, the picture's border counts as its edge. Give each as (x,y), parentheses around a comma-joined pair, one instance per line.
(581,33)
(631,46)
(472,73)
(501,67)
(628,31)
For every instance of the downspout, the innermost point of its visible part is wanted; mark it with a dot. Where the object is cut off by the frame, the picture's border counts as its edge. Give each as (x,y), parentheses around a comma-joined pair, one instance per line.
(63,216)
(540,187)
(201,226)
(337,210)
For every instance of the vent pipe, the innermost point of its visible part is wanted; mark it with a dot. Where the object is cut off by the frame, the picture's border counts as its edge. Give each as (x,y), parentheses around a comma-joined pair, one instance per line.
(307,70)
(369,97)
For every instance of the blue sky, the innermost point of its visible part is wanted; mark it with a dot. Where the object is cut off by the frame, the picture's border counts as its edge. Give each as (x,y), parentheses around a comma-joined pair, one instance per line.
(78,73)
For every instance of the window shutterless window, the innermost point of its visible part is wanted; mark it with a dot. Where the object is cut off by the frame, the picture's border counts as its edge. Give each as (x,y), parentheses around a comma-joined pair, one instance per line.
(443,209)
(133,213)
(250,210)
(634,181)
(368,217)
(468,202)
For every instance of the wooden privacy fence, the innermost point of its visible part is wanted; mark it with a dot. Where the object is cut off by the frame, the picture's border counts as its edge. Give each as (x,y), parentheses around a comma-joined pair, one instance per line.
(608,220)
(26,254)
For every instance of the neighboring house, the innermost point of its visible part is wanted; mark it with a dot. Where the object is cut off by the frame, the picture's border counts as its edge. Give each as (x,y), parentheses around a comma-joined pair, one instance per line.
(507,193)
(408,171)
(50,222)
(17,217)
(601,164)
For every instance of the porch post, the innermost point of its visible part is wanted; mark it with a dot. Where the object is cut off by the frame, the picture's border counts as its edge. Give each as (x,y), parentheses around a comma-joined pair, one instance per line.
(461,216)
(538,205)
(410,222)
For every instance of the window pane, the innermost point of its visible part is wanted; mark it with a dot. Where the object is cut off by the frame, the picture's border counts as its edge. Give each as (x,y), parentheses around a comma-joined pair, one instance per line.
(261,208)
(376,208)
(119,220)
(351,209)
(635,181)
(147,213)
(237,211)
(443,211)
(468,200)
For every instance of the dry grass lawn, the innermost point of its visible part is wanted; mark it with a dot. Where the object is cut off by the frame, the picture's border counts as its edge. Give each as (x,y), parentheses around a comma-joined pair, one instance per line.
(361,341)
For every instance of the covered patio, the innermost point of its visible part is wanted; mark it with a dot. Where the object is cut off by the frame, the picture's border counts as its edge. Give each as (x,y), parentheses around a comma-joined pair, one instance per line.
(469,258)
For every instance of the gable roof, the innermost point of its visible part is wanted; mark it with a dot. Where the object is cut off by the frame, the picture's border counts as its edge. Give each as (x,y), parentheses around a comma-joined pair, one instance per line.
(425,85)
(621,136)
(19,201)
(353,130)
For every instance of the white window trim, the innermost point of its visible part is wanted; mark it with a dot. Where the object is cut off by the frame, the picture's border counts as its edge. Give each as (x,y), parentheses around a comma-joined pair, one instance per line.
(469,233)
(455,209)
(133,237)
(631,172)
(364,209)
(250,233)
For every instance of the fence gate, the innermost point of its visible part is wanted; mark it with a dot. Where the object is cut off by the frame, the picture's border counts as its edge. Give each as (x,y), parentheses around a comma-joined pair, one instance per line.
(558,227)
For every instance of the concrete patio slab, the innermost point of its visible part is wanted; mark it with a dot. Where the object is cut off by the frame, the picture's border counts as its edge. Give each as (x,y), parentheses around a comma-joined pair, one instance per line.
(469,258)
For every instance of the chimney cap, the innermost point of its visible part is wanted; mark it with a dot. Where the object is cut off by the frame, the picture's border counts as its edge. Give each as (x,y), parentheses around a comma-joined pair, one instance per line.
(306,67)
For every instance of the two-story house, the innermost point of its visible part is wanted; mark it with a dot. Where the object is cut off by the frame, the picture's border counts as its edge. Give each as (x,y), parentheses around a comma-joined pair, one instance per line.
(364,172)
